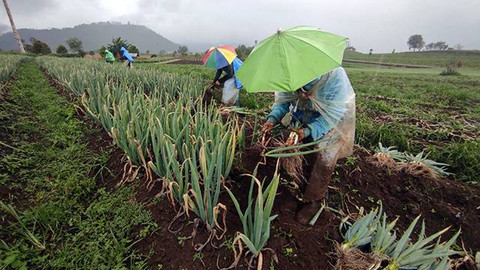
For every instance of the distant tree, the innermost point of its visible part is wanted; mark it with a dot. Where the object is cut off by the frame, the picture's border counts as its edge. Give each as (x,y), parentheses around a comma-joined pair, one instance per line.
(393,51)
(132,48)
(243,51)
(116,44)
(350,49)
(162,52)
(101,51)
(39,47)
(76,45)
(183,50)
(91,53)
(61,50)
(415,42)
(27,47)
(459,47)
(440,45)
(148,51)
(430,46)
(371,51)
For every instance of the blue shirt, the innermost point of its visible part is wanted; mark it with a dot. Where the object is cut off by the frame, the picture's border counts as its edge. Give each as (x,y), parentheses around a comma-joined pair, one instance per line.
(325,108)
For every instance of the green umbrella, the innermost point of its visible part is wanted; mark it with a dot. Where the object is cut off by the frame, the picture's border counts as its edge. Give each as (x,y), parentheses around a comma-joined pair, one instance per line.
(290,59)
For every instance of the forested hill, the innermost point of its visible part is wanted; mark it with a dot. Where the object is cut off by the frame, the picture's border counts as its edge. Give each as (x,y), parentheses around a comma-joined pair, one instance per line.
(93,36)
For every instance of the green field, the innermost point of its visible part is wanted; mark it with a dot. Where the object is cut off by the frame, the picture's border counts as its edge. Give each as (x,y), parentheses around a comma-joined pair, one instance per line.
(412,109)
(470,59)
(98,161)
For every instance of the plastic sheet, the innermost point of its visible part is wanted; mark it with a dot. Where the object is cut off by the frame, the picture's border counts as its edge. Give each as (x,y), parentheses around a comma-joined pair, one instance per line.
(331,102)
(230,93)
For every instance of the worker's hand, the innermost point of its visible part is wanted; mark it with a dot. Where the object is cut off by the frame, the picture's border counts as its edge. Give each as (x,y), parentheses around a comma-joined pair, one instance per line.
(267,127)
(296,136)
(217,83)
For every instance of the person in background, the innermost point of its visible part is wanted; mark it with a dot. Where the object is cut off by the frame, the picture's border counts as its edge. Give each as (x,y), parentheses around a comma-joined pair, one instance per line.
(231,85)
(109,57)
(324,111)
(125,55)
(228,70)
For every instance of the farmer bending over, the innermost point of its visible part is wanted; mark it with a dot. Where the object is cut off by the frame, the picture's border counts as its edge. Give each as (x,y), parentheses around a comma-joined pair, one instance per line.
(109,57)
(231,85)
(125,55)
(324,111)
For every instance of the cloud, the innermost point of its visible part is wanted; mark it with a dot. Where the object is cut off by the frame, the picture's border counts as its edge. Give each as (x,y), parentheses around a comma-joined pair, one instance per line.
(381,25)
(28,7)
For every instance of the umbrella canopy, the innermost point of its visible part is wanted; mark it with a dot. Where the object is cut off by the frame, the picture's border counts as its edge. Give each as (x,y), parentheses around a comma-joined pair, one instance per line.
(219,57)
(290,59)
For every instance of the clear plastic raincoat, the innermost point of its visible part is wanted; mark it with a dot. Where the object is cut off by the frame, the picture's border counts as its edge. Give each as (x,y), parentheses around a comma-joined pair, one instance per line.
(328,114)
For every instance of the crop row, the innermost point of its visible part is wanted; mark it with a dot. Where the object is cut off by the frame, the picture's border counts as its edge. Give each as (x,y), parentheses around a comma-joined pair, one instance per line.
(8,65)
(162,124)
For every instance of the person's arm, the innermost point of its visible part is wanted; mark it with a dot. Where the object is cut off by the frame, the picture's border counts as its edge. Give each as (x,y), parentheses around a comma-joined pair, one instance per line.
(322,125)
(217,75)
(278,112)
(229,74)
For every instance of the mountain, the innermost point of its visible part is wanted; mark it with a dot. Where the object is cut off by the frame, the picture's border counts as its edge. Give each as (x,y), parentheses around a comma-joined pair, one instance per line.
(93,36)
(4,28)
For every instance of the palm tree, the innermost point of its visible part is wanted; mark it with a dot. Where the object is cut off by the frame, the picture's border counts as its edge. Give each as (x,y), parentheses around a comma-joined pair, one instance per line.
(14,29)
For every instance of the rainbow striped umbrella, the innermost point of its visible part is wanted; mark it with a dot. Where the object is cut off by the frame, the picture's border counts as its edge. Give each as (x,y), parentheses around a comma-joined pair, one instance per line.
(219,57)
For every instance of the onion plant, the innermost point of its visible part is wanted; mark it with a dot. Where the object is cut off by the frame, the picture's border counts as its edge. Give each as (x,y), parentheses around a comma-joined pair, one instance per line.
(421,254)
(375,231)
(362,231)
(257,217)
(9,65)
(437,167)
(390,151)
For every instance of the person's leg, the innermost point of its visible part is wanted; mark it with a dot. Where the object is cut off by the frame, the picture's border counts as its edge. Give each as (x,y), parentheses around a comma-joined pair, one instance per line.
(318,182)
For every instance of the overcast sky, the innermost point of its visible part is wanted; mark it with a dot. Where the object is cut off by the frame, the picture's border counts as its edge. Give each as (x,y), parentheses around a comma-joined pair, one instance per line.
(382,25)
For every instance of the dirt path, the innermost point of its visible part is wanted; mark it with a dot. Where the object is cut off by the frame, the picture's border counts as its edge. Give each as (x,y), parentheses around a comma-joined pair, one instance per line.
(53,214)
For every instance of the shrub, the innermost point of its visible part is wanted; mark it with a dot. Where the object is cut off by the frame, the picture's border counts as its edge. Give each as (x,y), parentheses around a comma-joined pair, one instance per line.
(61,50)
(450,71)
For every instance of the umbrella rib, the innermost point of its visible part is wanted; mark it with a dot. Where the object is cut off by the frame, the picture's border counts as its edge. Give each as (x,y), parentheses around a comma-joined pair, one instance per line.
(287,64)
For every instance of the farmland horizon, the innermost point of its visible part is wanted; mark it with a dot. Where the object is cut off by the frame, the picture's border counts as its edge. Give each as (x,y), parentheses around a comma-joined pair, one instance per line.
(194,46)
(378,25)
